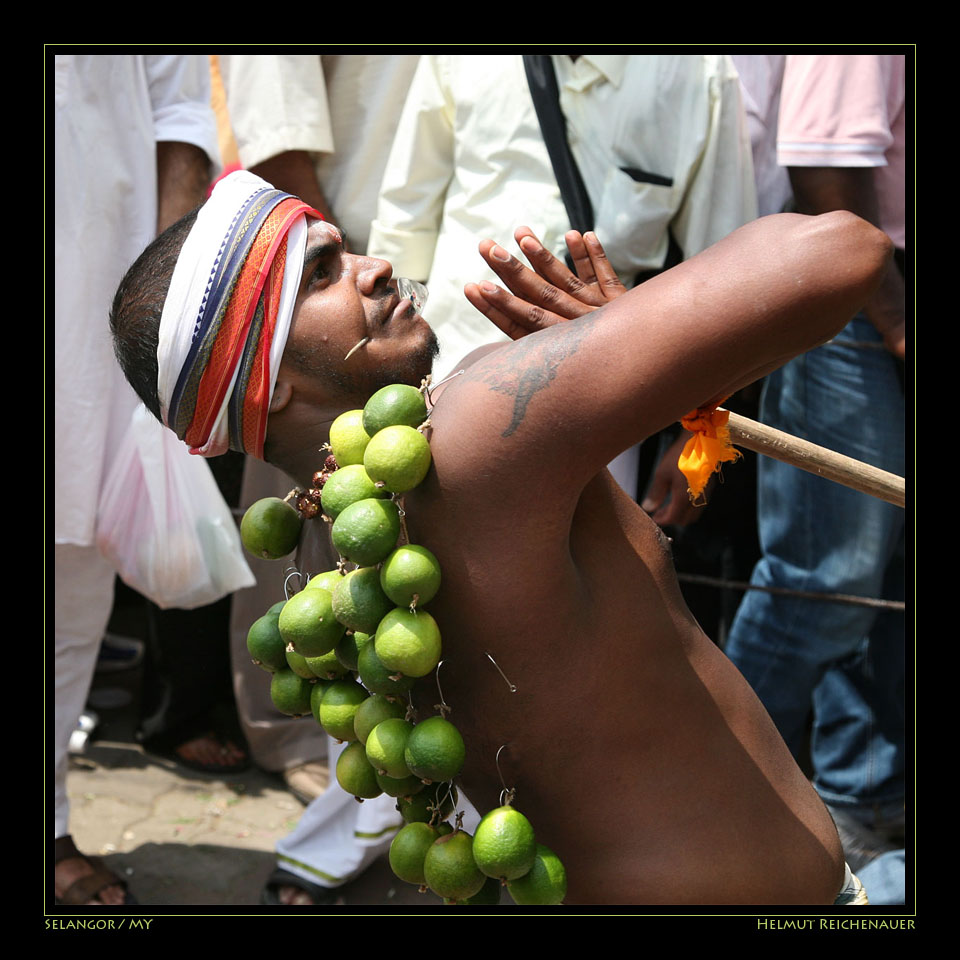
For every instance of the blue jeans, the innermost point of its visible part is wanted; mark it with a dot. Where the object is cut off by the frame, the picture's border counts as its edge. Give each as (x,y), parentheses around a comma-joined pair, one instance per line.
(844,663)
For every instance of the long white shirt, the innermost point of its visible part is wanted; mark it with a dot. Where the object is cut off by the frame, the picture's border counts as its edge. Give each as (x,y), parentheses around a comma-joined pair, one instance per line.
(469,162)
(110,112)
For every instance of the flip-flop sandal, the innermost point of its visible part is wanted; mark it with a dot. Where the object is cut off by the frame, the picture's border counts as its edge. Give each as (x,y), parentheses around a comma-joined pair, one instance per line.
(87,887)
(321,896)
(218,769)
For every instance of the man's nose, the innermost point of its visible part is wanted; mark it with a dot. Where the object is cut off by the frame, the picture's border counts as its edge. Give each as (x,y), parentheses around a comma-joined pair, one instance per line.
(371,273)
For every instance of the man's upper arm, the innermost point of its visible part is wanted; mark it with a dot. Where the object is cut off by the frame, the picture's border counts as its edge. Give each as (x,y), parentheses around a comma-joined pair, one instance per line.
(561,403)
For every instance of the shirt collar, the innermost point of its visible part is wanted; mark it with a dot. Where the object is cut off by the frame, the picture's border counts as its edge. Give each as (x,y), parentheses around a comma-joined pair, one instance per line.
(589,68)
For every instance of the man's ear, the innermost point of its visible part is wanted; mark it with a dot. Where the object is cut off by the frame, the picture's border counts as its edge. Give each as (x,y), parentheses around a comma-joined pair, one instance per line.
(282,394)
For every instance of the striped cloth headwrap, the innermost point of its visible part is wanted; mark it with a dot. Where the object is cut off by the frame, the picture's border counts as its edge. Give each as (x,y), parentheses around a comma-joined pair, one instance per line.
(227,315)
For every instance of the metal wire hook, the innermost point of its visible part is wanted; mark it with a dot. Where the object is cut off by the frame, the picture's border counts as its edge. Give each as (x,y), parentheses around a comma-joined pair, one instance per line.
(512,686)
(507,793)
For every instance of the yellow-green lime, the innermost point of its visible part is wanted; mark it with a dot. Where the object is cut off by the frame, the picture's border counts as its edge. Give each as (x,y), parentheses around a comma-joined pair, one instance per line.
(379,679)
(410,576)
(298,664)
(449,869)
(348,439)
(385,746)
(270,528)
(504,845)
(375,709)
(405,787)
(434,804)
(408,642)
(408,850)
(366,531)
(338,708)
(326,666)
(265,643)
(359,601)
(435,750)
(348,485)
(355,774)
(317,690)
(544,884)
(308,622)
(398,403)
(290,694)
(327,580)
(348,648)
(398,457)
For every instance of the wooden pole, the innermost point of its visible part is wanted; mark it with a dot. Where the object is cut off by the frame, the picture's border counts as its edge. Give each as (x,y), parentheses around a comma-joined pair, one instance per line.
(815,459)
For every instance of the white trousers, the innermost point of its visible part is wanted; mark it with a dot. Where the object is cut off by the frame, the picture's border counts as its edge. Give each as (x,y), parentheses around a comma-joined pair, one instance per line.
(338,838)
(83,583)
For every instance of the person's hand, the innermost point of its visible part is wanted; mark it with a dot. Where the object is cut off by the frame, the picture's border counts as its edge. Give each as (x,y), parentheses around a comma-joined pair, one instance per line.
(667,500)
(549,293)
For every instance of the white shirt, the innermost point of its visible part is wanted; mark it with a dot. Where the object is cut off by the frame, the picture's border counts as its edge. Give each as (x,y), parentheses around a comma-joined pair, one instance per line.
(110,112)
(342,109)
(469,162)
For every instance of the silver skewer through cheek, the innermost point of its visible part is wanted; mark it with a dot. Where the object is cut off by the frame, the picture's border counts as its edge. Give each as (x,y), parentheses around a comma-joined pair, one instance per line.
(355,348)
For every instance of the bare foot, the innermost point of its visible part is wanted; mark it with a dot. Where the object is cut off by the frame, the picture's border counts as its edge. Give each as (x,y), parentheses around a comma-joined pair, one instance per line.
(69,871)
(295,897)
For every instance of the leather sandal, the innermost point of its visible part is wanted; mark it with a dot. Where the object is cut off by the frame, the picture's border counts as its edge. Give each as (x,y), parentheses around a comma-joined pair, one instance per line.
(87,887)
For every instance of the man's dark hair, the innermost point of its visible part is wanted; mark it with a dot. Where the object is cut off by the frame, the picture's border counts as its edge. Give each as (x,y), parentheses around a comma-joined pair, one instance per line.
(138,306)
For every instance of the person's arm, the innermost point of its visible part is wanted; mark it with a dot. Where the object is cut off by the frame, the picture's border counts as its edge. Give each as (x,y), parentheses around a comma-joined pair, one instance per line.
(293,171)
(183,175)
(560,404)
(821,189)
(417,175)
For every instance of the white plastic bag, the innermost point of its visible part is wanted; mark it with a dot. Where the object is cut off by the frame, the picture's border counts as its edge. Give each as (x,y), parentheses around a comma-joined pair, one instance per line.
(164,524)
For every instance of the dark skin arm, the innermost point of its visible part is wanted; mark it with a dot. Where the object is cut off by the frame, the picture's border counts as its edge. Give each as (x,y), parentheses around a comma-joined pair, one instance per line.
(822,189)
(183,175)
(294,173)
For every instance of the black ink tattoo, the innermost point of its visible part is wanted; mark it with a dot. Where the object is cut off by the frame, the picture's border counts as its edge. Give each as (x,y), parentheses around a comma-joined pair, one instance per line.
(528,368)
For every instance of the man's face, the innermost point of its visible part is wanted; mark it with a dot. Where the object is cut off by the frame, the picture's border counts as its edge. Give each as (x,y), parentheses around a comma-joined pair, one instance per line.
(344,298)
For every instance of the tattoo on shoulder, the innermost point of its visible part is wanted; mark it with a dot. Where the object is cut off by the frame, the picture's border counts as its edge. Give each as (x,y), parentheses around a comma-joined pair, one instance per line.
(532,363)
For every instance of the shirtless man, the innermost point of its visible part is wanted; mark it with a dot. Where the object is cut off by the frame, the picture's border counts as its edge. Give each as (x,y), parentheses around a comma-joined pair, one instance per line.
(637,750)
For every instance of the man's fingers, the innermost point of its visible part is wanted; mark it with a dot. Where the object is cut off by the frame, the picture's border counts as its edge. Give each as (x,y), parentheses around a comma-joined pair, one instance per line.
(513,316)
(603,270)
(580,256)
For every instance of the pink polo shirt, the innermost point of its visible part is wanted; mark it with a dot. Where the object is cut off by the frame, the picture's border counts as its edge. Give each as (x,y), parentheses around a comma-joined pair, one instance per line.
(849,111)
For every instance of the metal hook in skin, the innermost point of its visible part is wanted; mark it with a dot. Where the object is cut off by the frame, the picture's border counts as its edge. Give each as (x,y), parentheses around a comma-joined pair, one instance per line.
(442,705)
(428,387)
(512,686)
(506,794)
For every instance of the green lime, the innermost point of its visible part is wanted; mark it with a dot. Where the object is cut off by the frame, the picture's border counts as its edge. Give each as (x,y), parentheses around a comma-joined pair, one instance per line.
(397,457)
(290,694)
(410,576)
(359,601)
(504,845)
(545,883)
(270,529)
(338,708)
(355,774)
(408,642)
(435,750)
(265,643)
(433,804)
(348,485)
(379,679)
(366,531)
(317,690)
(449,869)
(405,787)
(298,664)
(393,404)
(327,580)
(375,709)
(348,648)
(408,850)
(326,666)
(308,622)
(385,746)
(274,611)
(348,439)
(489,895)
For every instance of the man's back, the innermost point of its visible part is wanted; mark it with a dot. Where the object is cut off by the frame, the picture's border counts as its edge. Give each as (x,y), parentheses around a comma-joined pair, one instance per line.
(636,748)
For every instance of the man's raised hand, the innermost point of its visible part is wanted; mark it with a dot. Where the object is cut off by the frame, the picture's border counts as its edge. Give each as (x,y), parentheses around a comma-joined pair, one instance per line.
(549,293)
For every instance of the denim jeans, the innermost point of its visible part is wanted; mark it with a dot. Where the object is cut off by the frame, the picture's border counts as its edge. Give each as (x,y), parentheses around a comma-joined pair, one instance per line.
(843,662)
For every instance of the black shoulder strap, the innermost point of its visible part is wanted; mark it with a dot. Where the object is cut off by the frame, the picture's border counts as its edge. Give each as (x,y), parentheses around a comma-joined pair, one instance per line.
(542,80)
